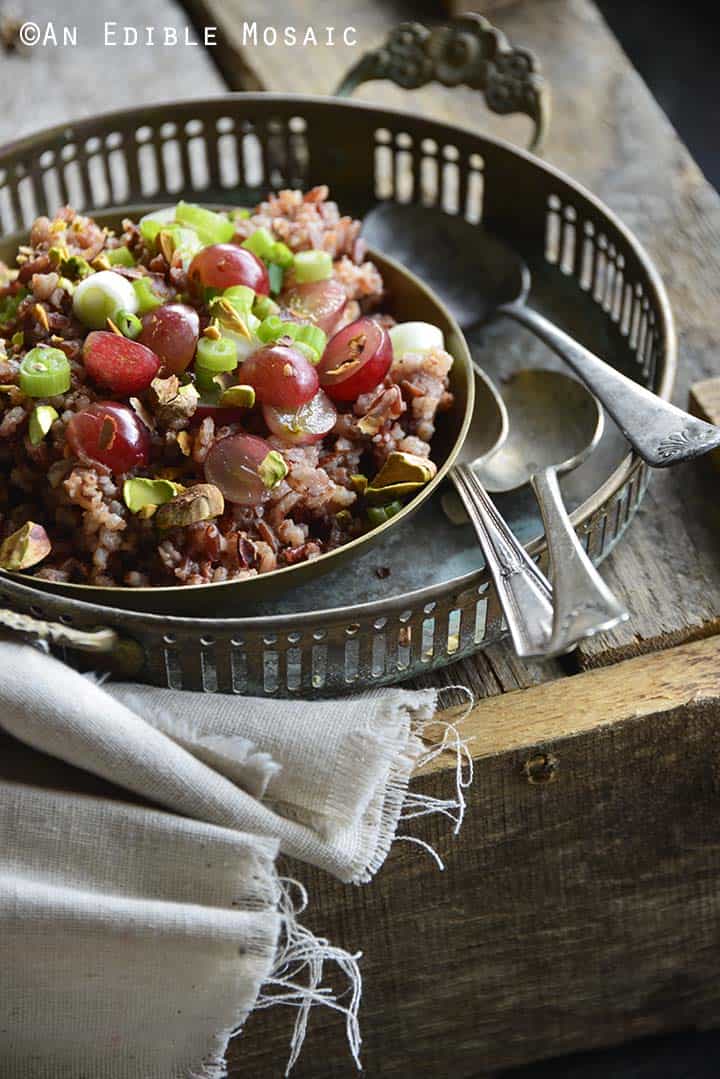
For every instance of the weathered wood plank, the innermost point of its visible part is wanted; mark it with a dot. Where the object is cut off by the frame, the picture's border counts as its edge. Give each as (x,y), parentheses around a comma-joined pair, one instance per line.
(49,85)
(606,128)
(574,914)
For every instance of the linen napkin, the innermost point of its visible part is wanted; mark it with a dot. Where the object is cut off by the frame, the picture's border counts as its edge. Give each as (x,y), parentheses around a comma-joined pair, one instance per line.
(107,911)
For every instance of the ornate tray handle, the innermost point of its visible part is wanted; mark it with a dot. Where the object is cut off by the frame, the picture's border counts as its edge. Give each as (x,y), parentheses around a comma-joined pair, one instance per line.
(467,51)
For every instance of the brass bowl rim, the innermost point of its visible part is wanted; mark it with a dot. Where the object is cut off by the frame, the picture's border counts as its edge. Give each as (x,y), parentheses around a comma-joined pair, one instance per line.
(626,470)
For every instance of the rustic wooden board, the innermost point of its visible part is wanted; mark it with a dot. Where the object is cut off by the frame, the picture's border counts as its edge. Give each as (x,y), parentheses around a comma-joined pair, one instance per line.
(573,914)
(47,85)
(606,128)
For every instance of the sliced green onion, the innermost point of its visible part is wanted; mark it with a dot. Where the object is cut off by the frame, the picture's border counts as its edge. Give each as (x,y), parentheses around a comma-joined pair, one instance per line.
(120,256)
(214,356)
(275,275)
(44,372)
(241,297)
(147,300)
(271,328)
(151,223)
(128,324)
(264,306)
(378,515)
(263,244)
(212,228)
(310,339)
(311,336)
(100,296)
(415,337)
(312,266)
(41,420)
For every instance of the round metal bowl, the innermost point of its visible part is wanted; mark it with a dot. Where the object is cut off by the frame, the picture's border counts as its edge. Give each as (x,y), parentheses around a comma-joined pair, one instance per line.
(591,274)
(407,299)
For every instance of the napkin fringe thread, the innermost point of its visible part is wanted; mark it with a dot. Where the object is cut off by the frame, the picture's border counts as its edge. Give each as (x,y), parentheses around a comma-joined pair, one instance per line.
(422,805)
(296,976)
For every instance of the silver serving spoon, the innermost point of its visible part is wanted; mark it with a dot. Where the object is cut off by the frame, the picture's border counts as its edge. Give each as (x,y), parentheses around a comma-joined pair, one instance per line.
(523,591)
(479,276)
(555,423)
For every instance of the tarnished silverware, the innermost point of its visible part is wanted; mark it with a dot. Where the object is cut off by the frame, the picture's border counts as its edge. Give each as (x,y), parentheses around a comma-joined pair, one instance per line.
(495,281)
(555,423)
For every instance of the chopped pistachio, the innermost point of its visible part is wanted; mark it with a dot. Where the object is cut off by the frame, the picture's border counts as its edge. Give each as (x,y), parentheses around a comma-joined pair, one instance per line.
(148,511)
(41,420)
(201,502)
(273,469)
(238,397)
(18,339)
(41,315)
(343,517)
(141,492)
(166,243)
(25,548)
(223,310)
(101,262)
(359,483)
(402,474)
(76,266)
(212,332)
(58,254)
(403,467)
(184,441)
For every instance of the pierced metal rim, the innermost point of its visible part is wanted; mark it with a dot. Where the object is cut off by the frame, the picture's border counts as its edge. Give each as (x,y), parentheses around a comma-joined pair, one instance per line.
(626,470)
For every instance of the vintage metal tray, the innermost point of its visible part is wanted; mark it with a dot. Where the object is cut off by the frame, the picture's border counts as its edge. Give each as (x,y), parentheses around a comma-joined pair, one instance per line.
(421,597)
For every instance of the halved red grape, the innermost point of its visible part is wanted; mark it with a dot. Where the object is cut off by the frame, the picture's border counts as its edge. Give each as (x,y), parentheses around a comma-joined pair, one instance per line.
(232,465)
(172,332)
(321,302)
(307,424)
(280,375)
(111,434)
(223,265)
(119,364)
(355,360)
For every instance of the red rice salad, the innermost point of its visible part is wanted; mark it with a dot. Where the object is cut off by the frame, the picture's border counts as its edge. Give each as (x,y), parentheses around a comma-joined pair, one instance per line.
(205,396)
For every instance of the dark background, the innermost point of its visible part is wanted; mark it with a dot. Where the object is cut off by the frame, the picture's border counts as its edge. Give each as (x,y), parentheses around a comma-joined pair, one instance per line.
(676,48)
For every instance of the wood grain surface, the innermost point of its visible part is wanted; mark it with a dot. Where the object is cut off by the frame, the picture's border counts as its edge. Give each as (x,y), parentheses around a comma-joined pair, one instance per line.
(606,129)
(580,905)
(48,85)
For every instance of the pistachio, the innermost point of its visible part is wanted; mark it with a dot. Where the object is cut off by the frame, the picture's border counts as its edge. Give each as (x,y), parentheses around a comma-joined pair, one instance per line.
(201,502)
(272,469)
(41,420)
(141,492)
(76,266)
(403,467)
(402,474)
(25,548)
(163,390)
(238,397)
(223,310)
(185,443)
(166,243)
(40,314)
(359,483)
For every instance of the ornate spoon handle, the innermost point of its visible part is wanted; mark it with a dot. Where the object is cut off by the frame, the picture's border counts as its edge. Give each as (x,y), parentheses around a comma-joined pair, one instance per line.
(524,593)
(660,433)
(584,605)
